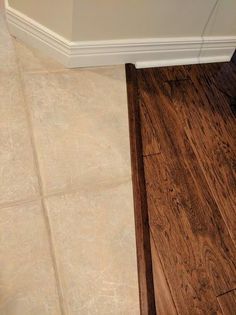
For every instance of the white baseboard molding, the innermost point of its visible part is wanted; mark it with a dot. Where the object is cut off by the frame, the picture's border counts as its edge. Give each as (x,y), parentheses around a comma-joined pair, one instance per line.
(151,52)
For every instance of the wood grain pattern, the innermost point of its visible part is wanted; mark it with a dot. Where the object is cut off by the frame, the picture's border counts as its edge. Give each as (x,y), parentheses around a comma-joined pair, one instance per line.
(164,301)
(145,273)
(228,303)
(177,192)
(210,126)
(188,129)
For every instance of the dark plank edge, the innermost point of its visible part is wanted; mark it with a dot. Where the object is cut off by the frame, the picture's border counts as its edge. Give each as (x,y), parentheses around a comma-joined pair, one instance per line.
(143,244)
(234,58)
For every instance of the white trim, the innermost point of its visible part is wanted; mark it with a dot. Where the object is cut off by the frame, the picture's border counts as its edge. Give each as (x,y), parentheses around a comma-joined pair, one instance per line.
(142,52)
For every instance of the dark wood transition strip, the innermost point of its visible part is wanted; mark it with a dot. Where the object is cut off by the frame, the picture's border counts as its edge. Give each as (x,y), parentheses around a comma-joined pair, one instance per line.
(145,272)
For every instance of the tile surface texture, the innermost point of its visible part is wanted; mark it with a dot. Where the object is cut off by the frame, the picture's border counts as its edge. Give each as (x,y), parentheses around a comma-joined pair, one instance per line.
(95,247)
(17,172)
(67,235)
(30,60)
(80,127)
(27,277)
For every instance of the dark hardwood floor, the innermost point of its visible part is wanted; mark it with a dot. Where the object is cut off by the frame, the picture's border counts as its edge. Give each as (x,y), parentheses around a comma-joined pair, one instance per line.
(185,127)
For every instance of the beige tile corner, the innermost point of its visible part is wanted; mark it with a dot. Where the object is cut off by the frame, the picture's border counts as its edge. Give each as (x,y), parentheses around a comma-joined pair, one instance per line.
(80,126)
(94,239)
(28,285)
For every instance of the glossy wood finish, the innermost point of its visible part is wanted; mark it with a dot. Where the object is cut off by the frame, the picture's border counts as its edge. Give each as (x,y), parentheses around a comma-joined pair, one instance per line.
(188,132)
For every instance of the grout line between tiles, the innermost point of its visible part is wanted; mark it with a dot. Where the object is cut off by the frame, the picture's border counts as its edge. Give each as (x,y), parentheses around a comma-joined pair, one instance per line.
(67,70)
(45,71)
(54,258)
(40,184)
(9,204)
(100,187)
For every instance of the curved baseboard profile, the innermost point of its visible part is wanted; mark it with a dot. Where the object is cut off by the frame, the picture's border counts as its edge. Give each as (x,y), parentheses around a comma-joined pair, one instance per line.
(148,52)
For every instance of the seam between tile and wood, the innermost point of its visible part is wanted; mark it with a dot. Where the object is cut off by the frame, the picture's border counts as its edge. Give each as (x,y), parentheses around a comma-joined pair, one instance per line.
(143,244)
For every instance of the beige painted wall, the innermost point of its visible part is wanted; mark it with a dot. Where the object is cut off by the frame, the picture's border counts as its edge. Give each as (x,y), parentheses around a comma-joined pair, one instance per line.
(123,19)
(118,19)
(223,21)
(54,14)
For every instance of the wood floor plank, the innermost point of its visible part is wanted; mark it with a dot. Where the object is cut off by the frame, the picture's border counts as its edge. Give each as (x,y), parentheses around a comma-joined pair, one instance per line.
(164,301)
(228,303)
(189,261)
(185,220)
(211,128)
(150,145)
(223,75)
(167,74)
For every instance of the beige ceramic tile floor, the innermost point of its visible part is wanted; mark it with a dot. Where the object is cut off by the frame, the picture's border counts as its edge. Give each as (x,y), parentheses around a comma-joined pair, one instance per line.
(67,244)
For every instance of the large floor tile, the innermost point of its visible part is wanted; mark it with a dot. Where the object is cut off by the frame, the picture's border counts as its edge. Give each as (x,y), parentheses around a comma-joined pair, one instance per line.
(32,60)
(27,283)
(17,172)
(94,239)
(81,127)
